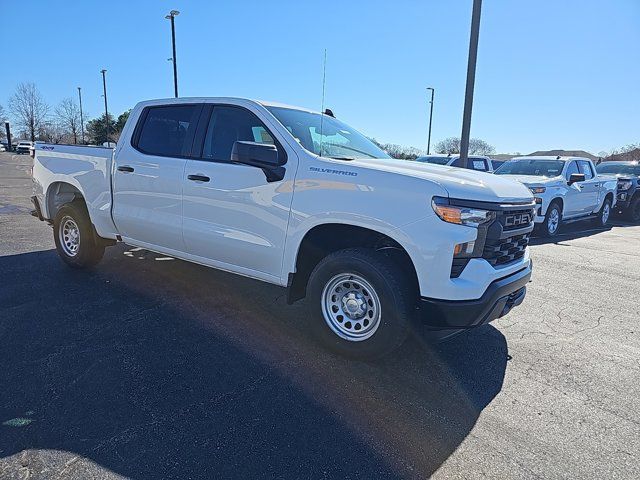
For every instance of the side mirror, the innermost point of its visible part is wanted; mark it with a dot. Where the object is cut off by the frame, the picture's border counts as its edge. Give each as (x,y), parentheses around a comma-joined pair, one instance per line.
(576,177)
(260,155)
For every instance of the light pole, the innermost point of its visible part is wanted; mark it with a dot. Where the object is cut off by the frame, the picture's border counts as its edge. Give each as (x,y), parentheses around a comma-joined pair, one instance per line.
(106,109)
(81,117)
(471,78)
(172,15)
(430,118)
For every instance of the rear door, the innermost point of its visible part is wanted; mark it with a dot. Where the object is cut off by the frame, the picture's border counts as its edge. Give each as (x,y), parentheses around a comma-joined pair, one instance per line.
(147,179)
(233,218)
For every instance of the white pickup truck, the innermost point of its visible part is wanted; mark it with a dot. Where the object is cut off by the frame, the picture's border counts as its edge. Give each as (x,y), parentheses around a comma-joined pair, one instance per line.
(566,189)
(301,200)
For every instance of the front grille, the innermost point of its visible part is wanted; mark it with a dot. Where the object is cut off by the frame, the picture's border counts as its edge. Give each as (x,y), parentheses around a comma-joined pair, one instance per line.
(516,220)
(499,252)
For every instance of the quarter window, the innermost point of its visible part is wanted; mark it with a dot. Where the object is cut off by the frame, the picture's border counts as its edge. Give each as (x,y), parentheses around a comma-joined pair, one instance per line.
(229,125)
(166,130)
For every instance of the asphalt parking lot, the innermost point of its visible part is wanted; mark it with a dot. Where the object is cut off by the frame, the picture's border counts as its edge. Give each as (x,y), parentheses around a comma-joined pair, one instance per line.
(149,367)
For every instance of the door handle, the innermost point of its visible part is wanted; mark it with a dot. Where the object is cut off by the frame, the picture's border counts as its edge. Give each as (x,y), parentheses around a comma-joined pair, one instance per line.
(125,168)
(198,178)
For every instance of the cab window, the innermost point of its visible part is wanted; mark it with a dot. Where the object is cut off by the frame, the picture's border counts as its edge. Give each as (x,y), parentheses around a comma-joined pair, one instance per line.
(229,125)
(585,167)
(571,169)
(166,130)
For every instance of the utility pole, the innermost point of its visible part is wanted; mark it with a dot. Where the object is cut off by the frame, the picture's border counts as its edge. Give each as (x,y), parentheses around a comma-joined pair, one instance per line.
(106,109)
(81,117)
(172,15)
(430,118)
(471,78)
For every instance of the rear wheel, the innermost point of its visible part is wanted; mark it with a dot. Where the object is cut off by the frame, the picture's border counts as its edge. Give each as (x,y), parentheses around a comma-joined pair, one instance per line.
(75,240)
(360,303)
(602,218)
(633,212)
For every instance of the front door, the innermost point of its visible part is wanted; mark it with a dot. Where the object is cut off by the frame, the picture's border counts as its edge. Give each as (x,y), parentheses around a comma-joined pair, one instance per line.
(232,217)
(590,187)
(574,200)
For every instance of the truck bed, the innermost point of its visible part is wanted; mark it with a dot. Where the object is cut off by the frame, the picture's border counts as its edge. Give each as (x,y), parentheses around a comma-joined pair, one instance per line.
(86,168)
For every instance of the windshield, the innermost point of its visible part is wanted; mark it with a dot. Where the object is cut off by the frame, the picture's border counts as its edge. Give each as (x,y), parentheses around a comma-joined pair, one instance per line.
(540,168)
(435,160)
(619,168)
(325,136)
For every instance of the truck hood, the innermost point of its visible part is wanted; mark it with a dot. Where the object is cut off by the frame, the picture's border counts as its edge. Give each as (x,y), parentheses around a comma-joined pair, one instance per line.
(534,180)
(458,182)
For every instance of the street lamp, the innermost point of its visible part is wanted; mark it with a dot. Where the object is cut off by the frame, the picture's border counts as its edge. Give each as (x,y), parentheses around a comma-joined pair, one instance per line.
(430,118)
(106,110)
(471,78)
(172,15)
(81,117)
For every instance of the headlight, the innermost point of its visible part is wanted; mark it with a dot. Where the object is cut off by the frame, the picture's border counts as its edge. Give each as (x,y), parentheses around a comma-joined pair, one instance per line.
(535,190)
(624,184)
(472,217)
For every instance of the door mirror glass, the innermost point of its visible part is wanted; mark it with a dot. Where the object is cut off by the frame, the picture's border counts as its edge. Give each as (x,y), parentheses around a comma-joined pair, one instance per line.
(260,155)
(575,178)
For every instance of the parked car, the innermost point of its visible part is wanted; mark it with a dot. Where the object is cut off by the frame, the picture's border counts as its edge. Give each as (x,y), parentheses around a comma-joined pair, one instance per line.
(481,164)
(628,175)
(23,146)
(2,147)
(301,200)
(566,189)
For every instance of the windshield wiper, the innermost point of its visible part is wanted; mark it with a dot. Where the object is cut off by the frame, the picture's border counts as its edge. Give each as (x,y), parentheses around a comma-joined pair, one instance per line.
(343,158)
(350,148)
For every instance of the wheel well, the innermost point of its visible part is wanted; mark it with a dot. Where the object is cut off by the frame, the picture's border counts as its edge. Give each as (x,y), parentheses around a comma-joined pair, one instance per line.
(322,240)
(609,196)
(559,201)
(58,194)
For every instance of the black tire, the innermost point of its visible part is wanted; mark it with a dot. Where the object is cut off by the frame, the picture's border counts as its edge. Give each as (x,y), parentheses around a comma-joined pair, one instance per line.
(89,250)
(546,229)
(391,287)
(633,212)
(600,220)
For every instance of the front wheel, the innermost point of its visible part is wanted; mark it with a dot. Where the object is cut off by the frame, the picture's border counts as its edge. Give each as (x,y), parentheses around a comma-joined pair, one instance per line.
(360,303)
(552,220)
(75,240)
(602,218)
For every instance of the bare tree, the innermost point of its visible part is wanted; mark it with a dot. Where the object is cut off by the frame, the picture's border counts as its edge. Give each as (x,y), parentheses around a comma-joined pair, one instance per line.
(29,108)
(451,145)
(52,131)
(68,118)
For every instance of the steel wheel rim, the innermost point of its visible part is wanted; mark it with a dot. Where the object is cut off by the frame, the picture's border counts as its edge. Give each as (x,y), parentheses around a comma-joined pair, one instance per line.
(351,307)
(69,235)
(606,211)
(554,220)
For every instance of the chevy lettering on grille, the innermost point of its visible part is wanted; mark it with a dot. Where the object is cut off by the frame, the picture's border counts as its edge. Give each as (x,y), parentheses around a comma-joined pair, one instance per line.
(518,219)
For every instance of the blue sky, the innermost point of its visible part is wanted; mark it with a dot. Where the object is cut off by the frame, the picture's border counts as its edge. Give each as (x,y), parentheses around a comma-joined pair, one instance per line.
(551,73)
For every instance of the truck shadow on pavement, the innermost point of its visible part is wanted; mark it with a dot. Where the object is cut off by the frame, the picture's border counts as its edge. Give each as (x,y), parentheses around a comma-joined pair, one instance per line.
(155,368)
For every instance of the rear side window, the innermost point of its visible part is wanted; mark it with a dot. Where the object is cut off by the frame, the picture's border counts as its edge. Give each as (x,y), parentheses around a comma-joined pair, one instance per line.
(231,124)
(478,164)
(166,131)
(585,167)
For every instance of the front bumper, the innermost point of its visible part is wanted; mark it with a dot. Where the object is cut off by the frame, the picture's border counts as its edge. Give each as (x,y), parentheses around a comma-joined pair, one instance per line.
(498,300)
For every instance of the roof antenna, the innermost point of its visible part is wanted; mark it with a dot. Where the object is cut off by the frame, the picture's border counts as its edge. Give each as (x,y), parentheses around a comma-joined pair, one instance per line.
(324,78)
